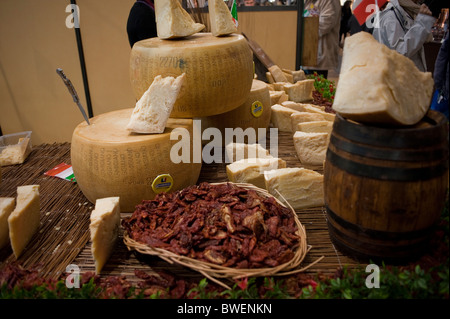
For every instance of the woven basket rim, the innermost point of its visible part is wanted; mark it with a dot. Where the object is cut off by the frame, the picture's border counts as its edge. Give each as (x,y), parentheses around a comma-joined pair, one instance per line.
(216,272)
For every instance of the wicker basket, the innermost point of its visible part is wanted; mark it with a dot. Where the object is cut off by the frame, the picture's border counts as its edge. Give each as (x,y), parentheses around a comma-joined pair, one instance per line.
(216,272)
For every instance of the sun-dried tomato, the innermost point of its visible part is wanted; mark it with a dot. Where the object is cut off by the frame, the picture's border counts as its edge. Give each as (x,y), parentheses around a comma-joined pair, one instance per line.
(221,223)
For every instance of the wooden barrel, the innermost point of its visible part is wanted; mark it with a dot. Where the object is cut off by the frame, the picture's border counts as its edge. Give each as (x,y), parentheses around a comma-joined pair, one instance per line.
(385,188)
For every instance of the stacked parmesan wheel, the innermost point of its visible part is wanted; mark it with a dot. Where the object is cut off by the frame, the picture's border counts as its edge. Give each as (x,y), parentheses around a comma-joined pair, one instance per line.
(176,77)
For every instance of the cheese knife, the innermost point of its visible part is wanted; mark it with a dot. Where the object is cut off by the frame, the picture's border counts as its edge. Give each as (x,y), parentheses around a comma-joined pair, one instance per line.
(73,92)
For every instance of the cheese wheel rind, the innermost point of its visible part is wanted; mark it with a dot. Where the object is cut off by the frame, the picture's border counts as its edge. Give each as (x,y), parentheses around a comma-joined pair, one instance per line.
(109,161)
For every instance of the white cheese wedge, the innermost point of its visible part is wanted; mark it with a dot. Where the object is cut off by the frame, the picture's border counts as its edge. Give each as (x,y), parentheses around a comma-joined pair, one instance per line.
(104,229)
(24,221)
(277,73)
(293,105)
(239,151)
(314,109)
(153,109)
(270,78)
(302,117)
(297,75)
(278,97)
(300,91)
(379,85)
(252,170)
(300,187)
(6,208)
(315,127)
(172,21)
(220,18)
(281,117)
(311,148)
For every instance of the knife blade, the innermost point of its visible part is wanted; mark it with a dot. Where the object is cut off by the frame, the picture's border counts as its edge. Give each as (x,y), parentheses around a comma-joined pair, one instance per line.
(73,92)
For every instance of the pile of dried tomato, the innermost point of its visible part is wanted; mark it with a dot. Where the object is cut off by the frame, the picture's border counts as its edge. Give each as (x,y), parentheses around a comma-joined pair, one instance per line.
(223,224)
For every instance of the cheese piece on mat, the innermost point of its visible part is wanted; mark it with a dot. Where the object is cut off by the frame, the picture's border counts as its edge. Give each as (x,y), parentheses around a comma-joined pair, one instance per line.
(252,170)
(277,97)
(6,208)
(277,74)
(301,91)
(293,105)
(25,219)
(303,117)
(300,187)
(314,109)
(311,148)
(172,21)
(315,127)
(239,151)
(154,107)
(104,229)
(281,117)
(379,85)
(220,18)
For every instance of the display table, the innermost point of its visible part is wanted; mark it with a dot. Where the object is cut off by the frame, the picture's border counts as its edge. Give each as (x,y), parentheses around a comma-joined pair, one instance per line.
(63,237)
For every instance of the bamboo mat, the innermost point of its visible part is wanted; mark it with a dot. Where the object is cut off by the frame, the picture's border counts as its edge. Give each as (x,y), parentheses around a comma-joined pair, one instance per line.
(63,237)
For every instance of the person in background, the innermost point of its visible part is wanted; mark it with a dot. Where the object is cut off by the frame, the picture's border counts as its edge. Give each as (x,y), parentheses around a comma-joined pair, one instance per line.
(141,22)
(329,25)
(346,14)
(441,78)
(405,26)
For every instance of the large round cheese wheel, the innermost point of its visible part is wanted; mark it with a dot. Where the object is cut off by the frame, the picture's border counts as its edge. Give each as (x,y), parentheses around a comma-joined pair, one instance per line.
(254,113)
(219,71)
(108,160)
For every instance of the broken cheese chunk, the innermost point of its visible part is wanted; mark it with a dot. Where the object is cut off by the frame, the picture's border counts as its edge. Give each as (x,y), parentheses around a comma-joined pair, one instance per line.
(220,18)
(315,127)
(172,21)
(104,229)
(6,208)
(304,117)
(239,151)
(300,187)
(24,221)
(153,109)
(252,170)
(301,91)
(311,148)
(281,117)
(379,85)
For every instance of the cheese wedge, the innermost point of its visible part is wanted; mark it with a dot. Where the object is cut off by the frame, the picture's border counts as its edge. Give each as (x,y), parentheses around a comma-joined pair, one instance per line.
(220,18)
(277,73)
(278,97)
(315,127)
(302,117)
(293,105)
(6,208)
(298,75)
(379,85)
(252,170)
(24,221)
(239,151)
(314,109)
(300,187)
(311,148)
(153,109)
(300,91)
(172,21)
(104,229)
(281,117)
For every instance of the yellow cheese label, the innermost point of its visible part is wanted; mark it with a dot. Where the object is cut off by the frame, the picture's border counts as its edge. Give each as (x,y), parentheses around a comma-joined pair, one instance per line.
(162,183)
(257,109)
